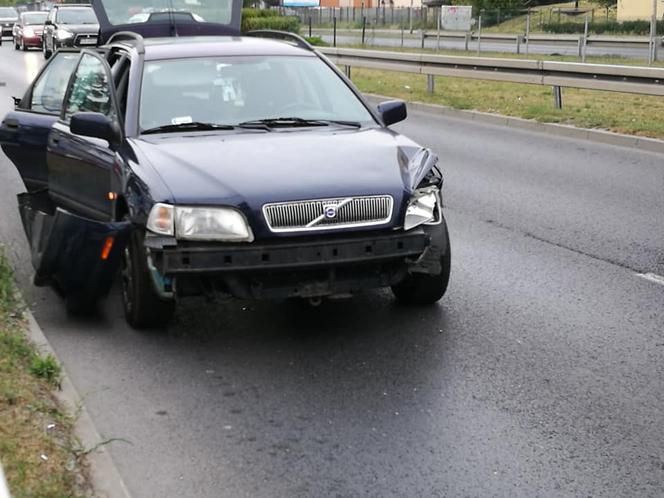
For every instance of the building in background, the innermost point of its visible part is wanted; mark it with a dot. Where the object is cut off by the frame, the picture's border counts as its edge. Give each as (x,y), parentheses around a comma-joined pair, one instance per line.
(371,4)
(638,10)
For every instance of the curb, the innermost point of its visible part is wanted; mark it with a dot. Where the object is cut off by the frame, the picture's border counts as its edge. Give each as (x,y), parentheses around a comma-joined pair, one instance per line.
(566,131)
(4,490)
(105,477)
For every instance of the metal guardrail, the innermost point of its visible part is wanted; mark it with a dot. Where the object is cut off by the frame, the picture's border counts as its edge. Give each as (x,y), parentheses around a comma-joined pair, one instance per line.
(628,79)
(572,39)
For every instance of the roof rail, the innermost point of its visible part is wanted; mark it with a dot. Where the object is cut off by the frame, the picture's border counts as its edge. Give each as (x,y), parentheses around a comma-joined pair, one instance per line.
(127,35)
(282,35)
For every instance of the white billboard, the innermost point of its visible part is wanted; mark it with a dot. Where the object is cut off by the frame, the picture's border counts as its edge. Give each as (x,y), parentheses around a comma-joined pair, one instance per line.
(456,17)
(301,3)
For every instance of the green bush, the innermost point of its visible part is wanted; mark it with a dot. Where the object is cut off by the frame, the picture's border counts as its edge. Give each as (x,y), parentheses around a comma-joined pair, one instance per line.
(285,23)
(259,13)
(610,27)
(316,41)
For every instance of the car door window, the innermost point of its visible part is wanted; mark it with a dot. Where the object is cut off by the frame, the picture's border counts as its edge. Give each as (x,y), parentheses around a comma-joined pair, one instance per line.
(51,85)
(90,89)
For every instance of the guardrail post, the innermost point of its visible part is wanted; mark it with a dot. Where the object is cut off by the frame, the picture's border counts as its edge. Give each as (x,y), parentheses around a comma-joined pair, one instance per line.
(558,97)
(467,41)
(430,84)
(422,35)
(402,34)
(309,26)
(518,44)
(347,71)
(479,34)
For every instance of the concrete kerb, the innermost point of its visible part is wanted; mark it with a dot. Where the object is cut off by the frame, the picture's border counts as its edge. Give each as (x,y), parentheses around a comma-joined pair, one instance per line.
(598,136)
(105,477)
(4,490)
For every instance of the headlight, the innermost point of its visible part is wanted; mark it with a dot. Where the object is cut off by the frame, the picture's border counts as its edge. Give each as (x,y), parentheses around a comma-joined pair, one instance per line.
(199,223)
(63,34)
(29,32)
(423,207)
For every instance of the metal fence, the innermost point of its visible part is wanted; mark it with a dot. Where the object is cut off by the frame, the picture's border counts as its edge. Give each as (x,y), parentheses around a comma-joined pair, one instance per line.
(628,79)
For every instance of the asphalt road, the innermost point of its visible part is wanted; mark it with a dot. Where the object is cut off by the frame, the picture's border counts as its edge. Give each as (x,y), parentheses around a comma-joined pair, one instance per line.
(381,39)
(539,374)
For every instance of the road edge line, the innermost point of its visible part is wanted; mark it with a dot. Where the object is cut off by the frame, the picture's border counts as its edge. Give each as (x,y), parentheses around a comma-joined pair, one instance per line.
(106,479)
(566,131)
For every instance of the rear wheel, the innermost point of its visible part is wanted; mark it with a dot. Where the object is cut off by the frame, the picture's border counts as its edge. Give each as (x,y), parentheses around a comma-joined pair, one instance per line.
(423,288)
(143,307)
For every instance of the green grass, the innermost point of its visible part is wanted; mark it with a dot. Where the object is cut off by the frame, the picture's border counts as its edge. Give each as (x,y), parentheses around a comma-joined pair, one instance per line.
(37,449)
(621,113)
(547,13)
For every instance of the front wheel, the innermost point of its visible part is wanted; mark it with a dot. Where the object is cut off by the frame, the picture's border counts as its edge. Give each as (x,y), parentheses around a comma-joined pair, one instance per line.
(143,307)
(424,288)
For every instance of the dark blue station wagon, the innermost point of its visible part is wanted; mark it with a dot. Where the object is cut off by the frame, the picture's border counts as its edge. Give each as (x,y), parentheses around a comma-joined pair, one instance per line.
(210,163)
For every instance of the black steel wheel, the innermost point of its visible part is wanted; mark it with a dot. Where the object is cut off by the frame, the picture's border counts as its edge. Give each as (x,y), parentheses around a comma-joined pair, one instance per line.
(143,307)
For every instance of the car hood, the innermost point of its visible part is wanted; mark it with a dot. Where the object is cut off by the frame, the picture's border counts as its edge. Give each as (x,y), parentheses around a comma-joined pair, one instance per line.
(8,19)
(248,170)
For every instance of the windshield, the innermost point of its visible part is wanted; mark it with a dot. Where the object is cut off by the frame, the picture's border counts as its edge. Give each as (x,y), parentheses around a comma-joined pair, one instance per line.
(235,90)
(76,16)
(164,11)
(34,18)
(8,13)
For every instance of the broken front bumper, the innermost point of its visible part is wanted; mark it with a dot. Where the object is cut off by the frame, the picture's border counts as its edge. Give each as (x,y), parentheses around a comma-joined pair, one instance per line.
(302,268)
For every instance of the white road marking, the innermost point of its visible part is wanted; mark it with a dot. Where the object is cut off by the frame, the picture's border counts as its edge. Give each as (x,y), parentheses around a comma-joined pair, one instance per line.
(652,277)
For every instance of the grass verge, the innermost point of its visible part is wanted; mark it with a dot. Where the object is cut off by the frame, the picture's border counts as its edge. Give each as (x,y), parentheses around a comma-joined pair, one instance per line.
(37,449)
(621,113)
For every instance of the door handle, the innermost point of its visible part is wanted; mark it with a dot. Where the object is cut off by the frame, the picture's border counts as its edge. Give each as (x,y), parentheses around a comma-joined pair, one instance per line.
(12,124)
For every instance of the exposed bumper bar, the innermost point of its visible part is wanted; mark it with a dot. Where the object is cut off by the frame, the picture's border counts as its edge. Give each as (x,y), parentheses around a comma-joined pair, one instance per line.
(296,255)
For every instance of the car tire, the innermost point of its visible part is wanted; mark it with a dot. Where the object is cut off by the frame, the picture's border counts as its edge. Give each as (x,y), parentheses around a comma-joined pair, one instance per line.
(142,306)
(47,52)
(422,288)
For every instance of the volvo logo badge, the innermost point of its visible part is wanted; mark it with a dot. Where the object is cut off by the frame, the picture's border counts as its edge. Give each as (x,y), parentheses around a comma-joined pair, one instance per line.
(330,211)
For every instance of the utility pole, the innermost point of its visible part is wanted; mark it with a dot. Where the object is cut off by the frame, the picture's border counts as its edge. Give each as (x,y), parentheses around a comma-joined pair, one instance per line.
(410,16)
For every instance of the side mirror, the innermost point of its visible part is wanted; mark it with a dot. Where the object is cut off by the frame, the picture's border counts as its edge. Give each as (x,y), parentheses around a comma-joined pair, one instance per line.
(96,125)
(392,111)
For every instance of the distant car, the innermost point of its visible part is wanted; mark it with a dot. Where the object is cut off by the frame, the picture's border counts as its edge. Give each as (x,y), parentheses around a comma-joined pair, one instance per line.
(8,17)
(29,29)
(220,166)
(69,25)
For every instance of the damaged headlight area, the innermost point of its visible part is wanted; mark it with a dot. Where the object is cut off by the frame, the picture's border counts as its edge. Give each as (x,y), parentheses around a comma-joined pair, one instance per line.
(199,223)
(424,207)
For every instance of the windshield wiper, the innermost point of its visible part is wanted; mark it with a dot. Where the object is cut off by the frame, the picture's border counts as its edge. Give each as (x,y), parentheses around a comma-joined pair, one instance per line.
(295,122)
(196,126)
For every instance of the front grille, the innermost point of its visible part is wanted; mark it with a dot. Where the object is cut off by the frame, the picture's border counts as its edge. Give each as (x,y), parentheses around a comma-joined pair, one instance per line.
(328,214)
(86,40)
